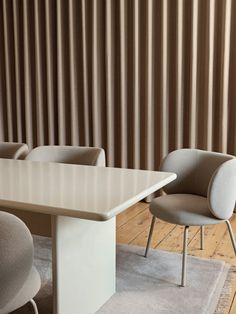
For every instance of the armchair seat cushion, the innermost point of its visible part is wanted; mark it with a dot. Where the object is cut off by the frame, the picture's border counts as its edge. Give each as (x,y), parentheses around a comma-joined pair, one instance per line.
(183,209)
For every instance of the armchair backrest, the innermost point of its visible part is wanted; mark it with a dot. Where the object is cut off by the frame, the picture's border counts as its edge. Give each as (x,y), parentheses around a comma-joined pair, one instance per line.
(222,190)
(194,169)
(16,256)
(91,156)
(11,150)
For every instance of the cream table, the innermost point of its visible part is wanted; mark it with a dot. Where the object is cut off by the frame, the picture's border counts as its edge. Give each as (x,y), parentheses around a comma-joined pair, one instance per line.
(82,203)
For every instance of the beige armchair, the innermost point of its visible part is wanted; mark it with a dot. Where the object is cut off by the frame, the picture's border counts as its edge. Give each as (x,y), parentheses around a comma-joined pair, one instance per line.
(81,155)
(12,150)
(204,193)
(19,280)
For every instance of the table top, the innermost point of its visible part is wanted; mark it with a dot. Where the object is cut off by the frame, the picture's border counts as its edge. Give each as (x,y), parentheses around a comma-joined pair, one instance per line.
(87,192)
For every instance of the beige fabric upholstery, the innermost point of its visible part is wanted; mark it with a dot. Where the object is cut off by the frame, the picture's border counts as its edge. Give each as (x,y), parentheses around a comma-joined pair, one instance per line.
(29,289)
(222,190)
(12,150)
(69,154)
(194,169)
(183,209)
(19,282)
(204,191)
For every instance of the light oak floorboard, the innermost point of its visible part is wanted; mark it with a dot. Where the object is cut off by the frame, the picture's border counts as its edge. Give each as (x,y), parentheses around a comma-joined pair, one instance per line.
(130,213)
(161,231)
(128,232)
(233,306)
(133,228)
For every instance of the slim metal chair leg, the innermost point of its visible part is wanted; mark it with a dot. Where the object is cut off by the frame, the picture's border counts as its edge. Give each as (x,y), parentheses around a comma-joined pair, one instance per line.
(231,235)
(202,237)
(184,258)
(34,306)
(150,235)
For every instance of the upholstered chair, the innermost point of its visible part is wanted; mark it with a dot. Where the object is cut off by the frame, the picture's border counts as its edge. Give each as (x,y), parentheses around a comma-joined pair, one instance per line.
(204,193)
(12,150)
(81,155)
(19,280)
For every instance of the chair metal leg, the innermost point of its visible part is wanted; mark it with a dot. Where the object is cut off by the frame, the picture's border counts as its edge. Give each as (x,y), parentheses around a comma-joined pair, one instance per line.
(202,237)
(34,306)
(231,235)
(150,235)
(184,258)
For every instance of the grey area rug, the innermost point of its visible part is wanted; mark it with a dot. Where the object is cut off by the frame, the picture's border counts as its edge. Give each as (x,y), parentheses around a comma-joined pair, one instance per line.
(145,286)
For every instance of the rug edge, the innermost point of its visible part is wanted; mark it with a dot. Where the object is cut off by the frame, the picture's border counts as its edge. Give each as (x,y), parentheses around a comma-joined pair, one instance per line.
(218,289)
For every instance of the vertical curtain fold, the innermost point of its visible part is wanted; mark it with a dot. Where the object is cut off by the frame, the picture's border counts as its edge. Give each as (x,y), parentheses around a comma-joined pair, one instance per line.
(74,84)
(135,114)
(109,69)
(149,88)
(85,77)
(9,76)
(231,140)
(225,75)
(138,78)
(50,124)
(63,96)
(178,76)
(17,59)
(28,72)
(209,78)
(121,124)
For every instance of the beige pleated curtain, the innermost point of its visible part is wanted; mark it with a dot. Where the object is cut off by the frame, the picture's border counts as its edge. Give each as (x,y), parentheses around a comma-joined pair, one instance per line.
(138,78)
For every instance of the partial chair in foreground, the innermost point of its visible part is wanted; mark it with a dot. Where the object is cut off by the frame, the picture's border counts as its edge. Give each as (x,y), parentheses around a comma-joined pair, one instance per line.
(11,150)
(81,155)
(204,193)
(19,280)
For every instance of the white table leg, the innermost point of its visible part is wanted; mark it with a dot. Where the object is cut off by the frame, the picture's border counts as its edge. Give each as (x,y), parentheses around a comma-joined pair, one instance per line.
(83,264)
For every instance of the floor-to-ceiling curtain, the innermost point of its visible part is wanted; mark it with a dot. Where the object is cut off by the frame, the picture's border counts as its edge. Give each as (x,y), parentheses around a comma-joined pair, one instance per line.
(136,77)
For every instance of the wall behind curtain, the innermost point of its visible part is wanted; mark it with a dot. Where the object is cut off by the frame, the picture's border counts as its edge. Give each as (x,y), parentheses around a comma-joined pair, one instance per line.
(138,78)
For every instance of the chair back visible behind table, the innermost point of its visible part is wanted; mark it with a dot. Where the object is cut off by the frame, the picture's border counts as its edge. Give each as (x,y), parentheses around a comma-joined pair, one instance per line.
(80,155)
(38,223)
(11,150)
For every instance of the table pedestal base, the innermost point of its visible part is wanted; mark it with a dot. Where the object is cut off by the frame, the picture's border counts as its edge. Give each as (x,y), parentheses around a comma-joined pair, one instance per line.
(83,264)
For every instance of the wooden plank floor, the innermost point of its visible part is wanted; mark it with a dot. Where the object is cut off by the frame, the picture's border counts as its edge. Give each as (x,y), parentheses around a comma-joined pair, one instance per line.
(133,228)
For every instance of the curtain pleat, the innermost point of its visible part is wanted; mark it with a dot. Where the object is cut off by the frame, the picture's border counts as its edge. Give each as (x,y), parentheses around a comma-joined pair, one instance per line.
(209,76)
(109,69)
(63,95)
(29,73)
(135,144)
(138,78)
(17,57)
(85,74)
(7,19)
(225,76)
(231,140)
(50,103)
(177,99)
(74,84)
